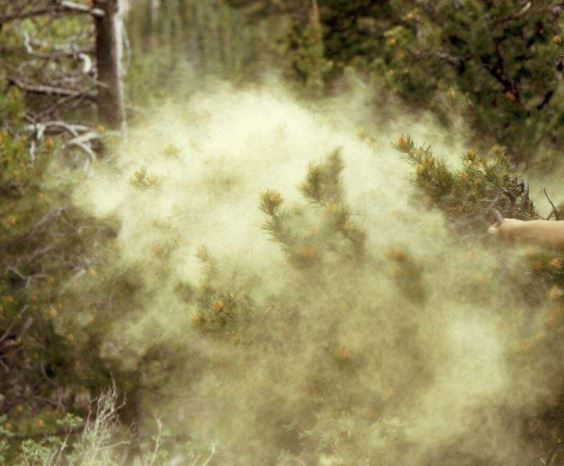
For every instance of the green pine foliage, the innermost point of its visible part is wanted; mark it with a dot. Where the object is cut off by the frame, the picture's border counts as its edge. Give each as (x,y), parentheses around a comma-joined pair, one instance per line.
(475,195)
(501,62)
(306,52)
(39,249)
(482,191)
(326,229)
(222,306)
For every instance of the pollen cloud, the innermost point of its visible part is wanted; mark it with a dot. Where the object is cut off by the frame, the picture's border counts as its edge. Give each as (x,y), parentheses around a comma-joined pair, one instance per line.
(395,355)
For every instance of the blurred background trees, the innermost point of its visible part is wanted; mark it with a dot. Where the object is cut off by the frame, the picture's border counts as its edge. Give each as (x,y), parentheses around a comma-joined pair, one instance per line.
(499,63)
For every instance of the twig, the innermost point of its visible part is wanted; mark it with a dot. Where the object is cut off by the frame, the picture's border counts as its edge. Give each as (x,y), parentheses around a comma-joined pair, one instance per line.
(212,454)
(6,334)
(554,453)
(157,443)
(48,111)
(84,148)
(70,51)
(57,127)
(554,209)
(498,216)
(546,100)
(57,433)
(515,15)
(78,8)
(16,272)
(524,185)
(450,59)
(42,89)
(47,217)
(61,8)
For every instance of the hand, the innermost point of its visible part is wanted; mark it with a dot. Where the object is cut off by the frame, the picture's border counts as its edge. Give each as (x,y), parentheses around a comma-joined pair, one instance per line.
(509,228)
(540,232)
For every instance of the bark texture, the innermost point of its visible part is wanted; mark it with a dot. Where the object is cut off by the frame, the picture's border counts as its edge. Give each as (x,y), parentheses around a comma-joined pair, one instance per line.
(110,99)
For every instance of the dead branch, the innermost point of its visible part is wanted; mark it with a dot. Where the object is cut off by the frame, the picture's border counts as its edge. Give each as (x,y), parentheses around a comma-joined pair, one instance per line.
(82,136)
(450,59)
(78,8)
(62,7)
(498,72)
(8,331)
(66,51)
(525,199)
(68,48)
(81,143)
(545,101)
(515,15)
(60,102)
(54,128)
(554,209)
(552,456)
(42,89)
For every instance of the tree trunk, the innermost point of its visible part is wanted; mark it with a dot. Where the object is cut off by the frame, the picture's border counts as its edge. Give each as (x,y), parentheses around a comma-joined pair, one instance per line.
(110,100)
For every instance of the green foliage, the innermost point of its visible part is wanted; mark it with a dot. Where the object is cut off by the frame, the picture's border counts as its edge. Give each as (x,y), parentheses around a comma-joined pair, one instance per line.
(472,195)
(89,442)
(499,61)
(5,436)
(354,31)
(222,306)
(46,51)
(476,195)
(307,53)
(38,240)
(312,236)
(178,43)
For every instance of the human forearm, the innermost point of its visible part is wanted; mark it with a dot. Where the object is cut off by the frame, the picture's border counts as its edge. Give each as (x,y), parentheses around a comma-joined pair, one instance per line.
(542,232)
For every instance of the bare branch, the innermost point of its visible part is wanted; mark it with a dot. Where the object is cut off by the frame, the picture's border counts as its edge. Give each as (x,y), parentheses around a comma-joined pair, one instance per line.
(58,52)
(64,7)
(515,15)
(552,456)
(459,63)
(42,89)
(546,100)
(450,59)
(78,8)
(498,72)
(82,143)
(57,127)
(554,209)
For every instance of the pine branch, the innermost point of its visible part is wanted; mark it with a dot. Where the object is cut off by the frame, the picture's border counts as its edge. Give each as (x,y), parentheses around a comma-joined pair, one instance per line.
(471,195)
